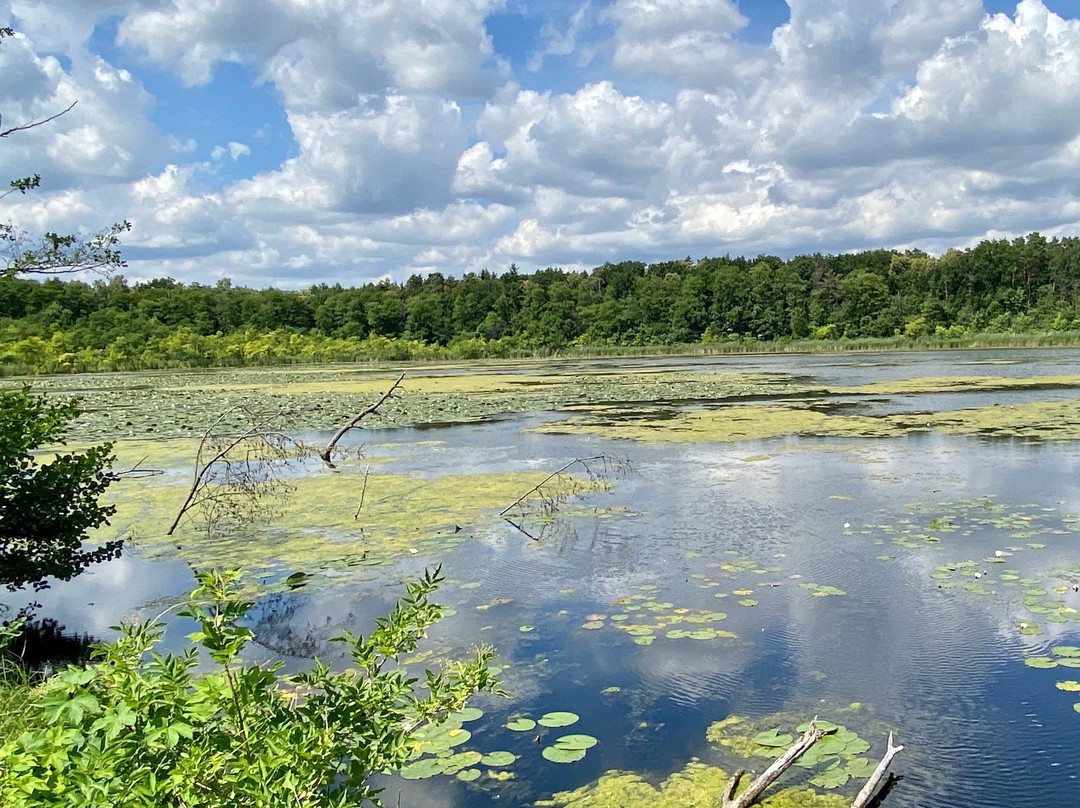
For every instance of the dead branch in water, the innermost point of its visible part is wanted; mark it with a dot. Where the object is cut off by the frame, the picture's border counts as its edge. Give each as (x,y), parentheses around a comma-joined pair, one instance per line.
(374,408)
(867,791)
(237,472)
(864,799)
(771,774)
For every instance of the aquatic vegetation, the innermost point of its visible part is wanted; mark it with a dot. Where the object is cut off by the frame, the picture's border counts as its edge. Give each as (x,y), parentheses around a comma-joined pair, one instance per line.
(321,529)
(663,615)
(822,591)
(167,405)
(696,784)
(1044,420)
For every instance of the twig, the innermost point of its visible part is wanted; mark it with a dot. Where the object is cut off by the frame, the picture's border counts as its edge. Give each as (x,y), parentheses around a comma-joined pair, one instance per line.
(536,488)
(355,420)
(33,124)
(862,800)
(363,491)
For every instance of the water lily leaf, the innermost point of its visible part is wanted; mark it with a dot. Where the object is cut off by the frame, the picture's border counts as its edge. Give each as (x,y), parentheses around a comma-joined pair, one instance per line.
(557,755)
(833,778)
(640,631)
(860,768)
(421,769)
(1069,686)
(593,625)
(1066,651)
(748,602)
(1040,662)
(499,758)
(643,640)
(575,742)
(1069,662)
(525,629)
(703,634)
(466,714)
(521,725)
(468,775)
(773,737)
(558,719)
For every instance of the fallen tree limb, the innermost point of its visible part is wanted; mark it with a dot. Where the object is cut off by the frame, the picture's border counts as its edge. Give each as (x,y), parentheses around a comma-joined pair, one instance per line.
(536,489)
(771,774)
(355,420)
(862,800)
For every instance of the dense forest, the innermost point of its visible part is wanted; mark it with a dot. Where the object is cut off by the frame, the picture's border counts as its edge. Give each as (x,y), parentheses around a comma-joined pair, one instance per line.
(1026,285)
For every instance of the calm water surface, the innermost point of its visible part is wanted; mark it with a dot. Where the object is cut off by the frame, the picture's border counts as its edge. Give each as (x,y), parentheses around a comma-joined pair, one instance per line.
(943,667)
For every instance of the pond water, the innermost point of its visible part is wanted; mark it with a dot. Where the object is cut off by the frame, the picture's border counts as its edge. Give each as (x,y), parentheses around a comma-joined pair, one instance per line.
(697,586)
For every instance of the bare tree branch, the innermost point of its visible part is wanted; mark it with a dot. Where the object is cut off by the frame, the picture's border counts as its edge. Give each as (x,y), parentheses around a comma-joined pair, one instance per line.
(355,420)
(34,124)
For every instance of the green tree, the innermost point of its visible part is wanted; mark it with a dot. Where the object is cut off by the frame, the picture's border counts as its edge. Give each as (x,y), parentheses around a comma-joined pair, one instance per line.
(47,508)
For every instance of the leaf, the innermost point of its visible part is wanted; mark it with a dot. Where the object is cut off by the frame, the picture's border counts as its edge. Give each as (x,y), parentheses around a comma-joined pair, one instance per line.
(421,769)
(1069,686)
(521,725)
(1066,651)
(556,755)
(498,758)
(468,775)
(575,742)
(558,719)
(1040,662)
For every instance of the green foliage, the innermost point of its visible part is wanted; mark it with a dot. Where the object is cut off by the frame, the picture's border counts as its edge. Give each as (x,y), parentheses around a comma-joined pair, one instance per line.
(47,508)
(1024,286)
(139,728)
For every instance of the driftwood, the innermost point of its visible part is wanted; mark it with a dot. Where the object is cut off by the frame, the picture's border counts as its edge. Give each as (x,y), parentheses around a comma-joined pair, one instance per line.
(356,420)
(753,792)
(867,792)
(771,774)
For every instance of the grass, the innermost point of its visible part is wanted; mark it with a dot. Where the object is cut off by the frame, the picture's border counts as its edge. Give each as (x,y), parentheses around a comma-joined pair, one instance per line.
(18,691)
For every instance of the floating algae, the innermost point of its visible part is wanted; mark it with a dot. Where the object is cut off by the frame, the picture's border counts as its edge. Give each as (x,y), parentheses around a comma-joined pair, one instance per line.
(320,527)
(184,404)
(1044,420)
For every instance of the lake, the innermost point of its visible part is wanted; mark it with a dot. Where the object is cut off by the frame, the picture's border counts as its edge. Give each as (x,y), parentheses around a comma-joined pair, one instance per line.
(888,541)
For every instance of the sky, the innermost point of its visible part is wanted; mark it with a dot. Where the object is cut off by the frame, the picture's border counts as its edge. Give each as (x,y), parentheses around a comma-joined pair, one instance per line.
(294,142)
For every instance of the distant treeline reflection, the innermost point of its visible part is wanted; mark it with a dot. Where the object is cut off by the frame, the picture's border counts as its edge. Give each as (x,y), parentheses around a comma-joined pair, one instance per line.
(1025,286)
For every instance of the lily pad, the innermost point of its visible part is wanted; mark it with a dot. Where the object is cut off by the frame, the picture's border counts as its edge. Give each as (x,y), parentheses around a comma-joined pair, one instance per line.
(558,719)
(468,775)
(1040,662)
(1069,686)
(421,769)
(773,737)
(521,725)
(557,755)
(575,742)
(1066,651)
(748,602)
(499,758)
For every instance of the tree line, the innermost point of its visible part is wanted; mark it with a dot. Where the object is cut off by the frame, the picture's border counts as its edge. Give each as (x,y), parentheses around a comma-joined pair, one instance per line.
(1025,285)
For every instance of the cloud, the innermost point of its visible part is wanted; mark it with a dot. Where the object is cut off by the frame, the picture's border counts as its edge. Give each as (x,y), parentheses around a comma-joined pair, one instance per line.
(417,148)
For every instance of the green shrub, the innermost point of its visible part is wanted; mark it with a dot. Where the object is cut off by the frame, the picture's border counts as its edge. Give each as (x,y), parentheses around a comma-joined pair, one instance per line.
(138,728)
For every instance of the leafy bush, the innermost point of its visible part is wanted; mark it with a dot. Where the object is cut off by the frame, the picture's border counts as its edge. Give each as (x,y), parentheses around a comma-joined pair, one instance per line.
(46,509)
(139,728)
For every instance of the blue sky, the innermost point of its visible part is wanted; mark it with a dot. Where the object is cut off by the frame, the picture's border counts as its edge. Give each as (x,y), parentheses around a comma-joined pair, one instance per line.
(283,144)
